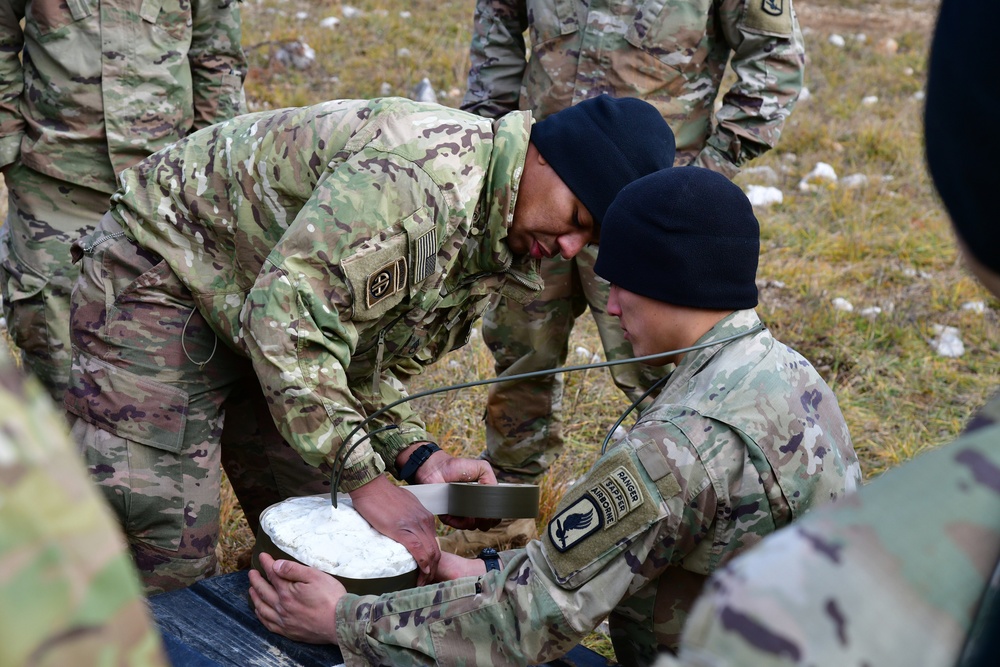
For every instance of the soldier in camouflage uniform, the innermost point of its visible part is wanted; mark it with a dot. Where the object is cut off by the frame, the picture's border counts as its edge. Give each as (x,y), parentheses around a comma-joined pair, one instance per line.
(68,592)
(744,437)
(906,572)
(672,54)
(302,264)
(88,88)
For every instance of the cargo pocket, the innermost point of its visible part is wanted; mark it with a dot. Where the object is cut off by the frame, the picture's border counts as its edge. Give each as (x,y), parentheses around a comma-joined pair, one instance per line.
(147,457)
(24,304)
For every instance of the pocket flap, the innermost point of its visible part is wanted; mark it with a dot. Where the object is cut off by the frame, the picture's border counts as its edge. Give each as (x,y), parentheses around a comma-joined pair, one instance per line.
(128,405)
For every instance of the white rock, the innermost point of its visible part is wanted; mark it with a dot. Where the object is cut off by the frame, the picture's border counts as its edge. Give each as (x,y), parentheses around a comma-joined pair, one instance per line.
(403,52)
(385,90)
(302,16)
(842,304)
(296,54)
(837,40)
(405,15)
(871,311)
(329,22)
(351,12)
(821,172)
(582,352)
(869,100)
(861,38)
(947,341)
(919,95)
(908,71)
(854,181)
(764,195)
(978,307)
(424,92)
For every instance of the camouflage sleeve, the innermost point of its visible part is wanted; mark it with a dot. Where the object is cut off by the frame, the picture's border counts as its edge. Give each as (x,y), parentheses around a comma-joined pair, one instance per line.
(768,60)
(69,594)
(218,64)
(613,533)
(302,322)
(11,80)
(498,55)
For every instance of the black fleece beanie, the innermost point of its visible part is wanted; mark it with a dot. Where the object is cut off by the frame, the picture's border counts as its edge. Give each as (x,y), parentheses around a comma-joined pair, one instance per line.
(686,236)
(602,144)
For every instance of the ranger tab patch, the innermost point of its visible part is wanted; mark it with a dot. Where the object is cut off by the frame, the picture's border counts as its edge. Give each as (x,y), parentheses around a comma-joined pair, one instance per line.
(604,505)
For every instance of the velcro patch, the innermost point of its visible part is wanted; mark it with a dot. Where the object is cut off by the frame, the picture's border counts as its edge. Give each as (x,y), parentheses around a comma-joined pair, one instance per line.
(575,523)
(613,503)
(422,233)
(385,282)
(773,17)
(377,276)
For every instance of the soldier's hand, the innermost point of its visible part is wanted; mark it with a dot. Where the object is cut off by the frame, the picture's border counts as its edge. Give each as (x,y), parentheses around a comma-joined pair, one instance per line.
(396,513)
(296,601)
(442,467)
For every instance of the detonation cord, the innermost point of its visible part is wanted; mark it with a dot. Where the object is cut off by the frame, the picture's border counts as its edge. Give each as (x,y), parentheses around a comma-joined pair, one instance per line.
(338,472)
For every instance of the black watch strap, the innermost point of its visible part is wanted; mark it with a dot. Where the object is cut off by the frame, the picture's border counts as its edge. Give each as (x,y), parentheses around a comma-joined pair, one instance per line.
(417,458)
(490,556)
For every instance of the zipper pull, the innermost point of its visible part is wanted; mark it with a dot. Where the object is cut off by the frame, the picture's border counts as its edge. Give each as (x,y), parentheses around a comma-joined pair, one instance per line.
(378,362)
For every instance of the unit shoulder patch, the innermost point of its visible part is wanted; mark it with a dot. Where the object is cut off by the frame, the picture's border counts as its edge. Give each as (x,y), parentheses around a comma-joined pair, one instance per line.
(772,17)
(378,276)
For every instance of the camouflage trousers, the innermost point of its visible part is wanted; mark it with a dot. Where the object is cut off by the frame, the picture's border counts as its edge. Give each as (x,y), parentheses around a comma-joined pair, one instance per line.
(45,216)
(159,405)
(523,421)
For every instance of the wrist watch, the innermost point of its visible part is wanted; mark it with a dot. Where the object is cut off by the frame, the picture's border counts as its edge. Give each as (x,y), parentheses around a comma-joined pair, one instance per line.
(419,457)
(490,556)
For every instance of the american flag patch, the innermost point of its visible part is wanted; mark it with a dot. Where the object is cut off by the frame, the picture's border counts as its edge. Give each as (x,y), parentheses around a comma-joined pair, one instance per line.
(424,256)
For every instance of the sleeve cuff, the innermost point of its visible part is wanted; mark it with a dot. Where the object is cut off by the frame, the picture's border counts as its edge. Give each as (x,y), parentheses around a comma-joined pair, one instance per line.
(390,443)
(360,473)
(714,159)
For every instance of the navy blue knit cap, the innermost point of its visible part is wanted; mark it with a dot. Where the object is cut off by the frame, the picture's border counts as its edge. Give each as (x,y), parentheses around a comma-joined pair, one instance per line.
(602,144)
(686,236)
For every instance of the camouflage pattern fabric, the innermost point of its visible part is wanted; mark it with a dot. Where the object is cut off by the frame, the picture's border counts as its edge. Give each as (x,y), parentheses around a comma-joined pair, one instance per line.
(68,593)
(744,438)
(311,259)
(45,216)
(672,54)
(86,90)
(893,575)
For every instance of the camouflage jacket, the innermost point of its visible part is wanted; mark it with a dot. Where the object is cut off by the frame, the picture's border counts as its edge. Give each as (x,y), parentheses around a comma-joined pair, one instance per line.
(671,53)
(104,83)
(69,594)
(744,437)
(342,247)
(894,575)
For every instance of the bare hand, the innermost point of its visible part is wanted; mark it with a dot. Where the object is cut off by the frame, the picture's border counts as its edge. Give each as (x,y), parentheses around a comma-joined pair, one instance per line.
(396,513)
(442,467)
(456,567)
(296,601)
